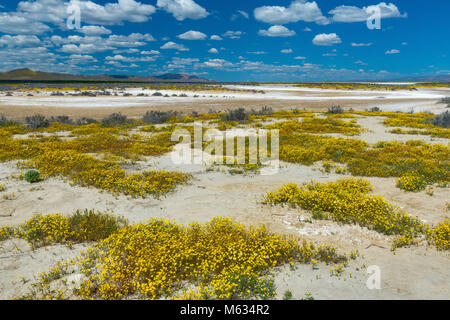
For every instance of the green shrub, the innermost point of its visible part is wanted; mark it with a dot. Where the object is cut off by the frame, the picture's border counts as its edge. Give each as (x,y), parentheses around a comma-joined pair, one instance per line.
(115,119)
(37,121)
(62,120)
(89,225)
(442,120)
(335,110)
(157,117)
(32,176)
(239,115)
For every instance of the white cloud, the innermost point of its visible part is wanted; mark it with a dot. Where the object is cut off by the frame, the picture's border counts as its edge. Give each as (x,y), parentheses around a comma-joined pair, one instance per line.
(355,14)
(82,59)
(14,24)
(85,48)
(20,41)
(233,34)
(239,13)
(325,39)
(307,29)
(300,58)
(192,35)
(91,44)
(94,30)
(243,13)
(299,10)
(216,64)
(286,51)
(150,52)
(131,50)
(329,54)
(174,46)
(277,31)
(55,11)
(213,50)
(119,57)
(361,44)
(215,37)
(183,9)
(393,51)
(257,52)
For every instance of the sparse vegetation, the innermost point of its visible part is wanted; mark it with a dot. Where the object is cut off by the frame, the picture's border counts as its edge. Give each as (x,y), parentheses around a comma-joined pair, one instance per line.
(37,121)
(115,119)
(442,120)
(239,115)
(158,117)
(32,176)
(335,110)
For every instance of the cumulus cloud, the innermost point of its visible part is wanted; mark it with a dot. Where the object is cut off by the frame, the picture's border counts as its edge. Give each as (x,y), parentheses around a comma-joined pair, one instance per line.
(216,64)
(85,48)
(277,31)
(355,14)
(15,24)
(183,9)
(299,10)
(91,44)
(192,35)
(286,51)
(82,59)
(121,58)
(150,52)
(20,41)
(174,46)
(213,50)
(55,11)
(325,39)
(94,30)
(215,37)
(393,51)
(300,58)
(233,34)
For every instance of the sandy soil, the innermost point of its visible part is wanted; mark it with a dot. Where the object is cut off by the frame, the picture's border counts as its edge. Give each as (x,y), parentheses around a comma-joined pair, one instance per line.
(410,273)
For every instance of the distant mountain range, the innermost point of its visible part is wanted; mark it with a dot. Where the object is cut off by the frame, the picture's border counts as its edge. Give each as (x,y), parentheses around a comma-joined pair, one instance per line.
(30,75)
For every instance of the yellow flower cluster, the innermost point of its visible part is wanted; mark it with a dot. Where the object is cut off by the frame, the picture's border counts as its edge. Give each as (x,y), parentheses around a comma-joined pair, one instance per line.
(347,201)
(82,226)
(318,125)
(6,232)
(395,159)
(439,236)
(417,121)
(411,182)
(221,259)
(90,171)
(309,148)
(153,182)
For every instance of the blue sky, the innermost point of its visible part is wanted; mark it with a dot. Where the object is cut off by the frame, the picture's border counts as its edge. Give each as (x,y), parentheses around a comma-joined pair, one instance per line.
(265,40)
